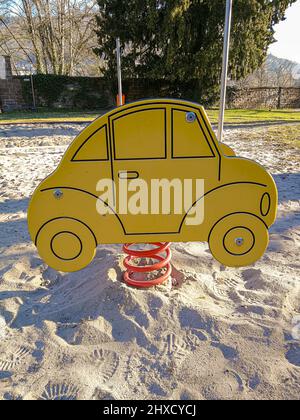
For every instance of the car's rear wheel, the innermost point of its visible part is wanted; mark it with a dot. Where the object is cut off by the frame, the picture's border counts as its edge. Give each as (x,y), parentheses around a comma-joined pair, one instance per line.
(66,245)
(239,240)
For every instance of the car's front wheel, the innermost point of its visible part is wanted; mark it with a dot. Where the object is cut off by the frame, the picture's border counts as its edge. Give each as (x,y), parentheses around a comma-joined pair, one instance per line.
(66,245)
(239,240)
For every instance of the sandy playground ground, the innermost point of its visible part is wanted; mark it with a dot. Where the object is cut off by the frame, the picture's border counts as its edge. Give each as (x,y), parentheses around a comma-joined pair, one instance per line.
(219,333)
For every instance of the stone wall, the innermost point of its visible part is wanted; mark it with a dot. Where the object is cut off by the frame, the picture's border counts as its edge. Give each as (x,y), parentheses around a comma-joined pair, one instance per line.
(254,98)
(289,98)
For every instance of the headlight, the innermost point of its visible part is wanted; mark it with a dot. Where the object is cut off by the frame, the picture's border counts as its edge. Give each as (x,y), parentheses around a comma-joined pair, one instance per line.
(265,204)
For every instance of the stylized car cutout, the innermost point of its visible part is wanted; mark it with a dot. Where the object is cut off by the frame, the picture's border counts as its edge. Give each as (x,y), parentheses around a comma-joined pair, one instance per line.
(161,139)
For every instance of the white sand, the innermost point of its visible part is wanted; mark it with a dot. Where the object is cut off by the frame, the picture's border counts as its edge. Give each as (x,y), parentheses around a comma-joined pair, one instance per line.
(219,333)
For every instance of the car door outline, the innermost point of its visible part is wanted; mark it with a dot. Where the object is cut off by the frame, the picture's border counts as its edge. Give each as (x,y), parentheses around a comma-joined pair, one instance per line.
(126,113)
(160,154)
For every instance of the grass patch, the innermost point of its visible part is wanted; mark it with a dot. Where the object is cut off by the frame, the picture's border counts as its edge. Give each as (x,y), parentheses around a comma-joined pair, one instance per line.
(281,134)
(49,115)
(248,116)
(289,134)
(234,116)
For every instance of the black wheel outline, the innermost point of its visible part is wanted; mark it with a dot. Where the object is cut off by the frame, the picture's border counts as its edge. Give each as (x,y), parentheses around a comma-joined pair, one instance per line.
(66,259)
(245,253)
(234,214)
(67,218)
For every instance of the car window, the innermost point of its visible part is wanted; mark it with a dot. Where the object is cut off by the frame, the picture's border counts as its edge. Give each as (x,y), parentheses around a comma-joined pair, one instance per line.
(140,135)
(188,138)
(95,147)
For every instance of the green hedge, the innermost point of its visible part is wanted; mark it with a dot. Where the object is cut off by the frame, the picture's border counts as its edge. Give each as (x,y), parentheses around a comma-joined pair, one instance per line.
(91,93)
(67,92)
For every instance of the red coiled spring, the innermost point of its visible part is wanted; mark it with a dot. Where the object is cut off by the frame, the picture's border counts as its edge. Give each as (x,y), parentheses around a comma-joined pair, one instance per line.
(161,253)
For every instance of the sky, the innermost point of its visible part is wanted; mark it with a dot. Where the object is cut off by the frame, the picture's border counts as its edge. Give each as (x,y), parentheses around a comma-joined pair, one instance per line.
(288,35)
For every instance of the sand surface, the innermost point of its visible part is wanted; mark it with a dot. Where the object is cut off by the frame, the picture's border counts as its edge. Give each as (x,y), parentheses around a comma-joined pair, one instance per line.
(218,333)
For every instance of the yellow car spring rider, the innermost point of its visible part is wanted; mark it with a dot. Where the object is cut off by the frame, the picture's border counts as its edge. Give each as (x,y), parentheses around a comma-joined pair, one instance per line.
(142,141)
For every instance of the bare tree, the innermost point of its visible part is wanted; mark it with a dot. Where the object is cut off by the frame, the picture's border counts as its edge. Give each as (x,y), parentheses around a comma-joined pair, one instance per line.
(275,72)
(56,36)
(282,71)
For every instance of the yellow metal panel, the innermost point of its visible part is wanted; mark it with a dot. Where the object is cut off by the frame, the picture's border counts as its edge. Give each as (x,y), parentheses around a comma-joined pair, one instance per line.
(189,139)
(94,147)
(227,151)
(140,134)
(152,139)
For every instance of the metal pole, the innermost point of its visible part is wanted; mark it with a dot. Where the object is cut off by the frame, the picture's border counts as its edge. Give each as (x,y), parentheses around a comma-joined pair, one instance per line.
(225,67)
(32,89)
(119,70)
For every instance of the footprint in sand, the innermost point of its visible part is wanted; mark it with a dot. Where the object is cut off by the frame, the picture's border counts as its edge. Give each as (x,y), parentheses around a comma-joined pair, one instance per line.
(221,287)
(230,283)
(13,359)
(144,375)
(134,374)
(107,361)
(227,386)
(219,291)
(174,348)
(235,376)
(60,392)
(132,367)
(177,349)
(251,298)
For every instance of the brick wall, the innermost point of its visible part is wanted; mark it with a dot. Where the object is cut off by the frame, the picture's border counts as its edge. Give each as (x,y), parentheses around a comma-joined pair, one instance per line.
(11,97)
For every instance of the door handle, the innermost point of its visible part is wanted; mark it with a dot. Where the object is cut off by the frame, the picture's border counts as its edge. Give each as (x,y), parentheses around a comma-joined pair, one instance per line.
(128,175)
